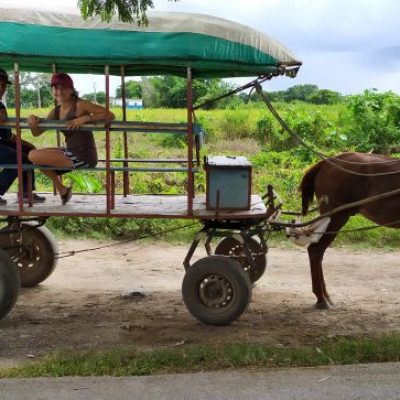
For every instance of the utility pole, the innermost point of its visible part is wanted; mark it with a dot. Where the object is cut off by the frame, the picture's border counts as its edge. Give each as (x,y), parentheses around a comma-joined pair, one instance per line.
(95,92)
(38,96)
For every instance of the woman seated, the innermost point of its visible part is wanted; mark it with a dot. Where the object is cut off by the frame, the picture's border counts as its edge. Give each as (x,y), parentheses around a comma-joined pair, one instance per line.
(80,150)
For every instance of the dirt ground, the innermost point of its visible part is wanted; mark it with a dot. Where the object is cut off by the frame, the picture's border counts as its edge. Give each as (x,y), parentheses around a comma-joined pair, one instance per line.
(82,305)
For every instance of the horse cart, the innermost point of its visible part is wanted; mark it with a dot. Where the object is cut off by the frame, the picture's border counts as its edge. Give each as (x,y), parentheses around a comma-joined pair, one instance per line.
(217,288)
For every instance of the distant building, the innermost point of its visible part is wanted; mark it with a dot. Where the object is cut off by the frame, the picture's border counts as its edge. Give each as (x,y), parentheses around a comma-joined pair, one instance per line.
(130,103)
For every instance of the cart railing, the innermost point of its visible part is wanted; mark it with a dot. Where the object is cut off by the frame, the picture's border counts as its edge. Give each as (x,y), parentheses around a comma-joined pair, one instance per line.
(123,126)
(130,127)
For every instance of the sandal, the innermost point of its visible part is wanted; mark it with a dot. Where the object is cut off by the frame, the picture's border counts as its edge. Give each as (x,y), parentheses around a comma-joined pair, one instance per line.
(65,198)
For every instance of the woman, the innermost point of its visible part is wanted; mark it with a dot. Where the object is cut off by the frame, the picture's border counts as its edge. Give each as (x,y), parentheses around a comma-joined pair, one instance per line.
(80,150)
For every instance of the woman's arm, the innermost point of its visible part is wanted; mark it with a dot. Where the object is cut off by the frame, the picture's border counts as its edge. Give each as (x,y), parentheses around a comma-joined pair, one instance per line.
(89,112)
(33,122)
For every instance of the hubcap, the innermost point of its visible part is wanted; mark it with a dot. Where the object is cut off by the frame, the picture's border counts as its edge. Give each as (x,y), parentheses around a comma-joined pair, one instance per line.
(215,291)
(27,256)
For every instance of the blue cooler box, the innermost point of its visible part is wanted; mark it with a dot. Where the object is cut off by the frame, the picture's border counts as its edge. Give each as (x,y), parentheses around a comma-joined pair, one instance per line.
(228,183)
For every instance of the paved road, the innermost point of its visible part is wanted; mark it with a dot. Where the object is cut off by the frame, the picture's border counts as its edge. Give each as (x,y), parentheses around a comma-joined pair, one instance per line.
(362,382)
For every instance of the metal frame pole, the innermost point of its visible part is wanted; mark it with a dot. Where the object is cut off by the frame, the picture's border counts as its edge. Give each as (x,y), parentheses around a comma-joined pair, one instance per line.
(125,134)
(58,136)
(18,136)
(190,177)
(108,143)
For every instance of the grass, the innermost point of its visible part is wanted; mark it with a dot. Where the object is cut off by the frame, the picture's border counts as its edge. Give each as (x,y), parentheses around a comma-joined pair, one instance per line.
(229,132)
(133,362)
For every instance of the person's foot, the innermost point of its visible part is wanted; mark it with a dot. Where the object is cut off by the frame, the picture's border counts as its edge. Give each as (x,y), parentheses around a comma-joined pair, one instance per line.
(66,197)
(3,202)
(36,199)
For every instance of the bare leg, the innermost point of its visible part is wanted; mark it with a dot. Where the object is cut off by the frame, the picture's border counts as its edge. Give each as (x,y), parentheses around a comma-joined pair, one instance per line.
(61,189)
(54,158)
(316,254)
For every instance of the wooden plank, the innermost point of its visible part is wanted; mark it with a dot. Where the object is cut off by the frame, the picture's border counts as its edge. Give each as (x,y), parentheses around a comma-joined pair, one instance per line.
(131,206)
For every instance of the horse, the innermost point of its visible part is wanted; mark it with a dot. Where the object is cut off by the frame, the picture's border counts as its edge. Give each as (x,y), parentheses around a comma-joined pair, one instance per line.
(370,181)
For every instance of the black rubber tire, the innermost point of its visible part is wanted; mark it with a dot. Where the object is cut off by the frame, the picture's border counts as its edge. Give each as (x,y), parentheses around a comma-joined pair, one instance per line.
(38,258)
(229,246)
(9,284)
(211,276)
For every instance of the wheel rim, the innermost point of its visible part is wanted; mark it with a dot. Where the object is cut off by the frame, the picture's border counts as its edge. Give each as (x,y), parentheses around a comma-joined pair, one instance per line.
(27,257)
(215,291)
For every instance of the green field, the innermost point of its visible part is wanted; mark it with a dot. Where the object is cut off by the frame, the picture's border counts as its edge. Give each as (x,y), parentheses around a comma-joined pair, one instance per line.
(248,131)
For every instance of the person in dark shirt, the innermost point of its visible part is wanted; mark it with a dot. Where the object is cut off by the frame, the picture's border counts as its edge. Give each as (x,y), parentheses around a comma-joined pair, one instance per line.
(8,152)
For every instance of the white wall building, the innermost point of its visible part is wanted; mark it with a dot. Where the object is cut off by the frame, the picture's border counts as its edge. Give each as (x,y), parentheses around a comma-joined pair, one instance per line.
(130,103)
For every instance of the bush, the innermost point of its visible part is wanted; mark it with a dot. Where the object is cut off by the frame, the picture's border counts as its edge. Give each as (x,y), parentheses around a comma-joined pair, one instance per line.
(373,121)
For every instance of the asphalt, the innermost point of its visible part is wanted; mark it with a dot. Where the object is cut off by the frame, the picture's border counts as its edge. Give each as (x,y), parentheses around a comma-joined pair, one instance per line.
(352,382)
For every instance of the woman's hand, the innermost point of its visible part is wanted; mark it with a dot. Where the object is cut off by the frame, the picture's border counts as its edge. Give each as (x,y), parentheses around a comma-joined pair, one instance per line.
(33,122)
(76,123)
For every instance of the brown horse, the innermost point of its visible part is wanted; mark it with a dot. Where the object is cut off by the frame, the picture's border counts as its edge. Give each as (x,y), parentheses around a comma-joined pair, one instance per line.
(345,179)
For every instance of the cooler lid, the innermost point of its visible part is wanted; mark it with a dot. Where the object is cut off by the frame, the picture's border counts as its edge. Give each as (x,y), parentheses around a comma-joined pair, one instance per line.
(227,161)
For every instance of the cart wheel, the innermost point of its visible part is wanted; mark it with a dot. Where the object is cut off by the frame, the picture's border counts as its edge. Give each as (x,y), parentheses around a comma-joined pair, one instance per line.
(9,284)
(33,250)
(231,247)
(216,290)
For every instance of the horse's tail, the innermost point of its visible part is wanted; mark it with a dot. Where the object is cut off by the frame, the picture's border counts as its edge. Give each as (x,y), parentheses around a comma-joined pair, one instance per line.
(307,186)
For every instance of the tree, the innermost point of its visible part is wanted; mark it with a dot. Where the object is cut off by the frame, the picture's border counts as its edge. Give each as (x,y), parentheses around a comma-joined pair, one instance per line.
(324,96)
(127,10)
(170,91)
(300,92)
(35,91)
(98,97)
(41,84)
(307,93)
(133,90)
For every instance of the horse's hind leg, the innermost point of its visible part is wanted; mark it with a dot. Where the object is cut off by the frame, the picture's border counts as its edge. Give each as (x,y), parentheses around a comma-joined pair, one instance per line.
(316,254)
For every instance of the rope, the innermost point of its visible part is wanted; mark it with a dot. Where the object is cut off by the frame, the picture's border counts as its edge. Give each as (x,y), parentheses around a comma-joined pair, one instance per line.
(364,228)
(253,84)
(70,253)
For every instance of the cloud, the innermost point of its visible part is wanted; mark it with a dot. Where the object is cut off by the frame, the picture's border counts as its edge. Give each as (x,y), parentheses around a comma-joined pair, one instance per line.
(345,45)
(385,58)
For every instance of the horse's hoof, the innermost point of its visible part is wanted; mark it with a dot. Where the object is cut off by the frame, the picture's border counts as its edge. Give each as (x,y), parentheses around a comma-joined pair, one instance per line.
(323,305)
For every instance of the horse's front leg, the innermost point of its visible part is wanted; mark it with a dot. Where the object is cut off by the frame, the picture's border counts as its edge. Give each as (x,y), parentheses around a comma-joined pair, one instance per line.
(316,253)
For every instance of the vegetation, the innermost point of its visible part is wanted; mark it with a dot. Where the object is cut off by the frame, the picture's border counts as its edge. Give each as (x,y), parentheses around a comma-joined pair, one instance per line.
(369,121)
(128,361)
(126,10)
(307,93)
(170,92)
(133,90)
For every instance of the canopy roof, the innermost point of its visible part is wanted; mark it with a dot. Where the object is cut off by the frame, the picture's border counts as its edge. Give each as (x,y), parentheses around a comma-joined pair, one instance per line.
(212,47)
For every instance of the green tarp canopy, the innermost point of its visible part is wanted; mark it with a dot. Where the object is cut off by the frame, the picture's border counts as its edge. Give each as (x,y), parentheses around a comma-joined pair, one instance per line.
(212,47)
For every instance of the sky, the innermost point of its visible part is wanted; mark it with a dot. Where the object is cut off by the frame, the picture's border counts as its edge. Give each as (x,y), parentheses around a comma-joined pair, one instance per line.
(345,45)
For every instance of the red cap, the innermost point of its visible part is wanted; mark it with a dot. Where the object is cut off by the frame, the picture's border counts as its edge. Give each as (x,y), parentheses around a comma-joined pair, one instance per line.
(62,79)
